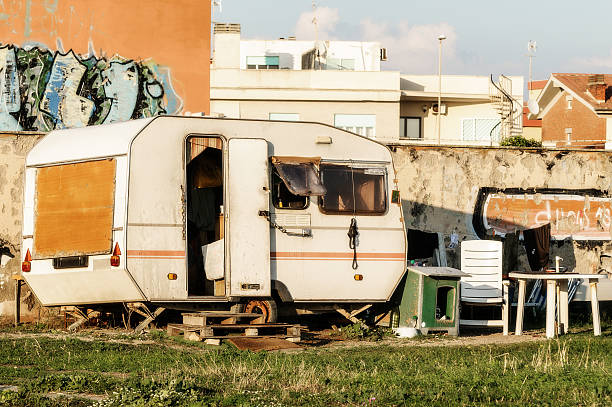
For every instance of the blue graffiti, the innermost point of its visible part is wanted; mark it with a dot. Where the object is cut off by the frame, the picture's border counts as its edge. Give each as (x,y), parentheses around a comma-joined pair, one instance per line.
(43,90)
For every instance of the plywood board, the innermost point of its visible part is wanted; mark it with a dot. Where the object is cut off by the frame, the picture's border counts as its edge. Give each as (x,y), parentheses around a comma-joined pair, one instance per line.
(74,209)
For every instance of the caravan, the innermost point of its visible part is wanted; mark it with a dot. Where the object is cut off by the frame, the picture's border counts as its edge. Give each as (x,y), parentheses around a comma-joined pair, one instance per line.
(200,213)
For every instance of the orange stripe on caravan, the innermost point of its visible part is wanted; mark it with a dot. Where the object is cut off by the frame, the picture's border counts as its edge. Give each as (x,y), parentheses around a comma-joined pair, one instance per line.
(156,257)
(156,253)
(334,255)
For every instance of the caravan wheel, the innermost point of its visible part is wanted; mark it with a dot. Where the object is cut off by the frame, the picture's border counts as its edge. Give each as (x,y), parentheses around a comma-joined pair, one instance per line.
(265,307)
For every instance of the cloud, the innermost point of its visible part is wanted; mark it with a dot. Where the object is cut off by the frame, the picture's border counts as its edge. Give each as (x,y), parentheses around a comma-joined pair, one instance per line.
(410,48)
(593,63)
(414,49)
(326,18)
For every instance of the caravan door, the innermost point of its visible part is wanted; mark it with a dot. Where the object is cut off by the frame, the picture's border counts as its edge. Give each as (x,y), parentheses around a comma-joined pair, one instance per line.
(249,233)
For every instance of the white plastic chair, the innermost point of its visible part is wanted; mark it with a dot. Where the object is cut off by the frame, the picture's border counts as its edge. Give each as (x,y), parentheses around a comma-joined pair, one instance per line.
(482,260)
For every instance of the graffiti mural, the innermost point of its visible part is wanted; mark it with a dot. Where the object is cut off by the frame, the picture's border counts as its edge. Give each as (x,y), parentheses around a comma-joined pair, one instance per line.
(41,90)
(570,214)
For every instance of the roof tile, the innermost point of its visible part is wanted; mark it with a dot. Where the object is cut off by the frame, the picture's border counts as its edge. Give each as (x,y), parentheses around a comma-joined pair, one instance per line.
(578,83)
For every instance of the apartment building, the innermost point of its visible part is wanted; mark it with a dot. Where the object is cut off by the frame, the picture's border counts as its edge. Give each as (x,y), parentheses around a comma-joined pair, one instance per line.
(340,83)
(334,82)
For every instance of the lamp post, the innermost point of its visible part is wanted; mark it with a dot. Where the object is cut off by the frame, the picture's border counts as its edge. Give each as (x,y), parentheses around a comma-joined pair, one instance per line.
(441,38)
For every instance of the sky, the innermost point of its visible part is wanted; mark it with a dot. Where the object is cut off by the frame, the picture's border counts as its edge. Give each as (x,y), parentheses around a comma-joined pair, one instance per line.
(483,37)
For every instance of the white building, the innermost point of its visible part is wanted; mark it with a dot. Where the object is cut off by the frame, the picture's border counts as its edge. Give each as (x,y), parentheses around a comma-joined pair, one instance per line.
(333,82)
(340,83)
(470,112)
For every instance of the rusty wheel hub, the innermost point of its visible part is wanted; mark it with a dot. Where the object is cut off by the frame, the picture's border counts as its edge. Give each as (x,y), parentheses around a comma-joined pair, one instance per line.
(258,307)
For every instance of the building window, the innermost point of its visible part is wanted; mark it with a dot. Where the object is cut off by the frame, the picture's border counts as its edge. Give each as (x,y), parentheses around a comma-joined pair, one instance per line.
(410,128)
(569,99)
(342,64)
(568,135)
(266,62)
(362,124)
(480,129)
(288,117)
(353,189)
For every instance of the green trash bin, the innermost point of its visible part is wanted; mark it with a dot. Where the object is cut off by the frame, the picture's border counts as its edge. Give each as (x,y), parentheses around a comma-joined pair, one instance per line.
(430,299)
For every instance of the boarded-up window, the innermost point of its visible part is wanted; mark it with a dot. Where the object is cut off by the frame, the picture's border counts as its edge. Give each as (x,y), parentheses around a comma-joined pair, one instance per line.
(74,209)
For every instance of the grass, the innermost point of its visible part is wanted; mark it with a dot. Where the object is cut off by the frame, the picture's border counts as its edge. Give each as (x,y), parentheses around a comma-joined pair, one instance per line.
(161,371)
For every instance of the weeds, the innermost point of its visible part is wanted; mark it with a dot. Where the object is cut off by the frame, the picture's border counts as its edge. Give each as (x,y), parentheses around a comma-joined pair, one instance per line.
(570,371)
(357,331)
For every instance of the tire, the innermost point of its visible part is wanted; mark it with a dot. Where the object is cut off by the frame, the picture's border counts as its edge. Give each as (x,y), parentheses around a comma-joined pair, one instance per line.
(266,307)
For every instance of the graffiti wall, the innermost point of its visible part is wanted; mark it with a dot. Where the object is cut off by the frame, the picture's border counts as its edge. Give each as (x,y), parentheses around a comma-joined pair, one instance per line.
(466,193)
(571,215)
(42,90)
(70,63)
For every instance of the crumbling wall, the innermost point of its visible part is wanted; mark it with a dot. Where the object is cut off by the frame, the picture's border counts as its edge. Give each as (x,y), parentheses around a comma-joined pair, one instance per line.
(13,149)
(443,186)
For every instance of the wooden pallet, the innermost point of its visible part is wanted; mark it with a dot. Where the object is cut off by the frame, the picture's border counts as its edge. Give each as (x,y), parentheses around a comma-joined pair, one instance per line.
(220,318)
(289,332)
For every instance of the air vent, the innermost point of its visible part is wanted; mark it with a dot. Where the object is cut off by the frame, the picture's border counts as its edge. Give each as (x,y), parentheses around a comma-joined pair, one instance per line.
(226,28)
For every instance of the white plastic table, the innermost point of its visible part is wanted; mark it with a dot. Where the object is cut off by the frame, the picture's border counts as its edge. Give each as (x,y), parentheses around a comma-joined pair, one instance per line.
(552,279)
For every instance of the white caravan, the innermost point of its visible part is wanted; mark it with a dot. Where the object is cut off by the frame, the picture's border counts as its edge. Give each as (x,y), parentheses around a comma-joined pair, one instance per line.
(191,213)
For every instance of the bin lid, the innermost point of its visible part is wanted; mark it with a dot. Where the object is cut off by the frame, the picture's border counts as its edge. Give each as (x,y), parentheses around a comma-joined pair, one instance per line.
(438,271)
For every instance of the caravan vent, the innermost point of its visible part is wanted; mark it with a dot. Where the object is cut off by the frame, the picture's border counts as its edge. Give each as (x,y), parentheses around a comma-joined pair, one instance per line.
(383,54)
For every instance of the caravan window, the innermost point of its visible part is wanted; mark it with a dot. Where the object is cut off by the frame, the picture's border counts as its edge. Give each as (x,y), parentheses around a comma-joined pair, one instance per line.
(353,189)
(294,179)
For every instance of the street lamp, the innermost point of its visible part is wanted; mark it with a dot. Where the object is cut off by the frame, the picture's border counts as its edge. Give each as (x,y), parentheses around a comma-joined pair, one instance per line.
(441,38)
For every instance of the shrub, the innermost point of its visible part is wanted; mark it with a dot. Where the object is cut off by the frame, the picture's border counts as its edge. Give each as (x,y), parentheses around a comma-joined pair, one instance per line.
(520,141)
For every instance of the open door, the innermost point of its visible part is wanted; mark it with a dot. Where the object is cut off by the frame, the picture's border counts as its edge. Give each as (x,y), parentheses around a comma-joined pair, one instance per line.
(248,231)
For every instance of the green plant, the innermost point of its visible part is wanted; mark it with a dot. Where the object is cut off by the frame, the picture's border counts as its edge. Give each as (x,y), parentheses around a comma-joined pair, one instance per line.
(357,331)
(519,141)
(158,334)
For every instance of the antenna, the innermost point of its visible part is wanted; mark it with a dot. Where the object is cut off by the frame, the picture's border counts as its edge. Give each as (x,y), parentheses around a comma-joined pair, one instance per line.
(531,50)
(219,5)
(532,104)
(315,22)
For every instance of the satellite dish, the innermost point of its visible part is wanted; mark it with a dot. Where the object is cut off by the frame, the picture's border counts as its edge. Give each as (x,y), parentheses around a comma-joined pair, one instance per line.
(533,106)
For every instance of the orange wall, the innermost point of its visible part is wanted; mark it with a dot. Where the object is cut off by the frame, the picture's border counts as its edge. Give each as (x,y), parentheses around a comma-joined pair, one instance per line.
(173,33)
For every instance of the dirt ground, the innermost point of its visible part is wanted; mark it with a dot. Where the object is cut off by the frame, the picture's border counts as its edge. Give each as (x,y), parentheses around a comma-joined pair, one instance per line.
(325,338)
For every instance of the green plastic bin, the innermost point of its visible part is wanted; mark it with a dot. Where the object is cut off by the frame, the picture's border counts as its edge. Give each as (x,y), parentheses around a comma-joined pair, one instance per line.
(430,299)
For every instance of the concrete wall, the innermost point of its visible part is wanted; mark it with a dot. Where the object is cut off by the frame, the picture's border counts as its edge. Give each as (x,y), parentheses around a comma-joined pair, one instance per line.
(441,187)
(13,149)
(74,62)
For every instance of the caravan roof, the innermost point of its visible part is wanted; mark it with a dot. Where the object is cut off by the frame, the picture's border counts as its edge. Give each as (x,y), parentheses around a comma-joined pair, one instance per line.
(114,139)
